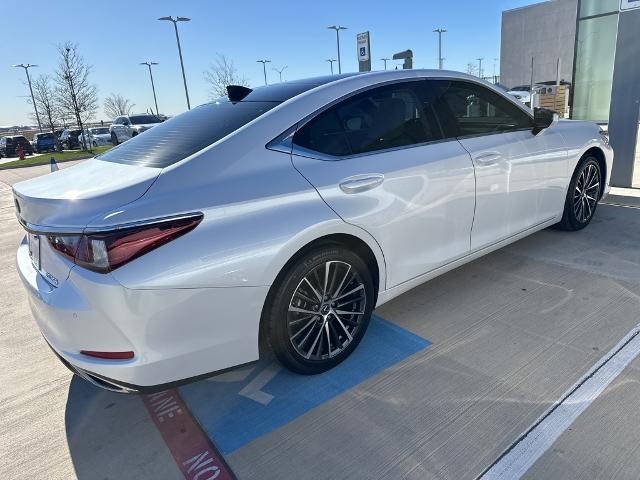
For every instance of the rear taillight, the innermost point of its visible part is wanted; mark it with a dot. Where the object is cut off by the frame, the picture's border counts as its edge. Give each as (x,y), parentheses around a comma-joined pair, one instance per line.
(105,251)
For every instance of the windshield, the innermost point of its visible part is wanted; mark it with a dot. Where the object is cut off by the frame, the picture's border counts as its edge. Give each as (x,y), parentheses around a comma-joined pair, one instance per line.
(142,119)
(186,134)
(99,131)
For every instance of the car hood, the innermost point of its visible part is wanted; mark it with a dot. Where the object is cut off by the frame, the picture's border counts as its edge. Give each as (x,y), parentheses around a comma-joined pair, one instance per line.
(70,198)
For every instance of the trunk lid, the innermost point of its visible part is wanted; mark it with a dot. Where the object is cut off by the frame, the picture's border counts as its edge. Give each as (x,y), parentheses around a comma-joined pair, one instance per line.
(70,198)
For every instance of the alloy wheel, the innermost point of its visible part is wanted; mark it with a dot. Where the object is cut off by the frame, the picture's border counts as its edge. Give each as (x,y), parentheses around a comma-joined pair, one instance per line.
(326,310)
(585,196)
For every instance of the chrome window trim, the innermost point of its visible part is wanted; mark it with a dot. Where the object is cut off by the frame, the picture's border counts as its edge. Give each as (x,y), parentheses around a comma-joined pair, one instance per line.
(67,231)
(284,142)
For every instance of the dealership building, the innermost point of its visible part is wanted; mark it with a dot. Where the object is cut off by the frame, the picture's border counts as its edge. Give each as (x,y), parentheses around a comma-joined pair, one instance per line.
(593,45)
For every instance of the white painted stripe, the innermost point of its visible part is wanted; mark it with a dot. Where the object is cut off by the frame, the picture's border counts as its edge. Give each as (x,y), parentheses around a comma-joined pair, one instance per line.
(548,428)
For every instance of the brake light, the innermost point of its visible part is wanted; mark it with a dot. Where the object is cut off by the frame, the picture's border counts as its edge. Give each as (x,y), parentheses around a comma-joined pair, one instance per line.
(105,251)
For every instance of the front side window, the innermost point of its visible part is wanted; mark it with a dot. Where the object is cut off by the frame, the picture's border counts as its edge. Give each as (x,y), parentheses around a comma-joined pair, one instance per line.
(391,116)
(466,108)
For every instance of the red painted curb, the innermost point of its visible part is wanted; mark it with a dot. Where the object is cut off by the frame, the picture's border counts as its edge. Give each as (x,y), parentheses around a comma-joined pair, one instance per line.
(191,448)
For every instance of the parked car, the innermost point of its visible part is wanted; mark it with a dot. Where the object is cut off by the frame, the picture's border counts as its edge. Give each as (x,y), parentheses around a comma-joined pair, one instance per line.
(128,126)
(44,142)
(98,136)
(9,146)
(71,139)
(281,216)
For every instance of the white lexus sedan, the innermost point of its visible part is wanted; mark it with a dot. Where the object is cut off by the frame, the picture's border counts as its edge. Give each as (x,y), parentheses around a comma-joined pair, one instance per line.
(280,217)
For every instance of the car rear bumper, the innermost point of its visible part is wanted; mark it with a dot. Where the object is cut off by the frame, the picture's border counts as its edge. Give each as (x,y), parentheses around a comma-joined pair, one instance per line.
(177,335)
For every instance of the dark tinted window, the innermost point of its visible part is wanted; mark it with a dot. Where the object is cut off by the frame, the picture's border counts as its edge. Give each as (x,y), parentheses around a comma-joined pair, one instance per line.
(142,119)
(99,131)
(21,140)
(391,116)
(466,108)
(186,134)
(42,136)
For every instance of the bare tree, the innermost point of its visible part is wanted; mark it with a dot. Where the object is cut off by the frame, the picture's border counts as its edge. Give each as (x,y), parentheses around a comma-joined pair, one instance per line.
(116,105)
(44,95)
(76,95)
(222,73)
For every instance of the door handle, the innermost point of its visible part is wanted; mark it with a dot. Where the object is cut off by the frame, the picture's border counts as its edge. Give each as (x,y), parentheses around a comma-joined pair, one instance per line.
(488,158)
(361,183)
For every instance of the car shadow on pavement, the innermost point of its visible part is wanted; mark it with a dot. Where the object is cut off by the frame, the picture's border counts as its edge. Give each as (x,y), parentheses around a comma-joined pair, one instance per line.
(111,435)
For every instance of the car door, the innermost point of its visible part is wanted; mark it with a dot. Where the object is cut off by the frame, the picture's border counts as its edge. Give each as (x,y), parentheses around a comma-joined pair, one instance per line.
(126,128)
(520,176)
(379,160)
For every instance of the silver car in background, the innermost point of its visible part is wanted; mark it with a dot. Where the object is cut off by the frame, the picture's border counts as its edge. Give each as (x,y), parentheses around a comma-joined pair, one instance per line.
(282,216)
(126,127)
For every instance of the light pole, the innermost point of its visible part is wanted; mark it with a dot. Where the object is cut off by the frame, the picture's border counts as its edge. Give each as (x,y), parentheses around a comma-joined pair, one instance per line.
(26,70)
(480,67)
(153,87)
(440,31)
(385,60)
(331,60)
(264,68)
(337,28)
(280,71)
(175,26)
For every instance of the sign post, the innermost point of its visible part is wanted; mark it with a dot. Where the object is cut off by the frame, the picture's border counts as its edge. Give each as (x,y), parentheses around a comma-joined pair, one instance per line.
(364,52)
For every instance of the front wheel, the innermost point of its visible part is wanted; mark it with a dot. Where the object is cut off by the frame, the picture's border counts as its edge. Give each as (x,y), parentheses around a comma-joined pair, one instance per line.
(583,195)
(320,310)
(114,139)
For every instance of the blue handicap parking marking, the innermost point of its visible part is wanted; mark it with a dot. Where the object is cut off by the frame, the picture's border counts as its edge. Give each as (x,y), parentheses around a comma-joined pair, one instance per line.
(241,405)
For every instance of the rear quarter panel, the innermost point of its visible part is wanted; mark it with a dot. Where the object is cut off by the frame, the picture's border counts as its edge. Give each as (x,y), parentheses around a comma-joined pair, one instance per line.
(258,212)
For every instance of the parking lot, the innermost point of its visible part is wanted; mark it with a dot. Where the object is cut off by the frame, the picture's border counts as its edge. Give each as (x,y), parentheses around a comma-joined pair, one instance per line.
(535,341)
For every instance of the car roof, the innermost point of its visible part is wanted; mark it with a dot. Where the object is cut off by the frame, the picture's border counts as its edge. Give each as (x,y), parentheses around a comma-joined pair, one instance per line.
(280,92)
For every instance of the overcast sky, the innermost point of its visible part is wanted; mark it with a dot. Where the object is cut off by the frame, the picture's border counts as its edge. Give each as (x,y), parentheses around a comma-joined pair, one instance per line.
(115,37)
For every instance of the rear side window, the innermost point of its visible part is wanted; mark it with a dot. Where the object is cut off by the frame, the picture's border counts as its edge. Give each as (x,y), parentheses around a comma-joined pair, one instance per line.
(185,134)
(391,116)
(466,108)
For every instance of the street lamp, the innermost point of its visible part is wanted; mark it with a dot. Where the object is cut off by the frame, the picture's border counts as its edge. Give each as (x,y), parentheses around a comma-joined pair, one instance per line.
(26,70)
(480,67)
(153,87)
(440,31)
(385,60)
(175,26)
(264,68)
(337,28)
(331,60)
(280,72)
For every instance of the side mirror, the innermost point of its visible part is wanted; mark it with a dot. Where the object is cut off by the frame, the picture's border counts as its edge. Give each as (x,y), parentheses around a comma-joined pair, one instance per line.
(543,119)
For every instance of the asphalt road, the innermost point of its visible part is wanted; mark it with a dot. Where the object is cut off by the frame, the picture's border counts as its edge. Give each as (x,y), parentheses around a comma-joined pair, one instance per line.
(509,335)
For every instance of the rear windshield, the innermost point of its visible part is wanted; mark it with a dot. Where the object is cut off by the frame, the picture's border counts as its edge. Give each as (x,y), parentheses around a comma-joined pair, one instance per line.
(142,119)
(20,140)
(186,134)
(45,136)
(99,131)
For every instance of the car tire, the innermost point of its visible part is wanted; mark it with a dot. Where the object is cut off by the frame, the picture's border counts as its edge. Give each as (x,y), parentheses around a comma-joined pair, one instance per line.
(304,332)
(583,195)
(114,139)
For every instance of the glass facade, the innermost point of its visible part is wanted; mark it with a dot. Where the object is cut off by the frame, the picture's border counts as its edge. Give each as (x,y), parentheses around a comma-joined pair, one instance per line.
(589,8)
(594,59)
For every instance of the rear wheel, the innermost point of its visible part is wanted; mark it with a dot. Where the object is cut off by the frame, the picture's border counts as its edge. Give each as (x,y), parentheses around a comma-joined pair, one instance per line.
(320,310)
(583,195)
